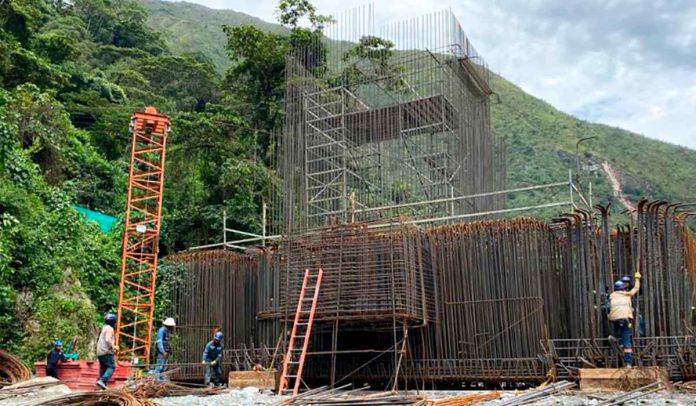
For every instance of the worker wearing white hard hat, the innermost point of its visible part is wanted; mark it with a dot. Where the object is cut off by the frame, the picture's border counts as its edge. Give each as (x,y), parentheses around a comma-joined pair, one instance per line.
(163,349)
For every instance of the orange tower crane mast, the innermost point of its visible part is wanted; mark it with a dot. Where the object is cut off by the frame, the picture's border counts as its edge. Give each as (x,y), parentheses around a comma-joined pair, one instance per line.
(136,302)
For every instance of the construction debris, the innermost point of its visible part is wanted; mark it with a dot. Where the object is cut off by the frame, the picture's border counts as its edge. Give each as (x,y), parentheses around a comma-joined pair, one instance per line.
(538,393)
(12,370)
(633,395)
(326,396)
(689,387)
(148,388)
(106,398)
(465,400)
(32,390)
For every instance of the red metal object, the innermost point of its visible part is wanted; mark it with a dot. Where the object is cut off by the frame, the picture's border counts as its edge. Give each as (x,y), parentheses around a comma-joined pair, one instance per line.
(81,375)
(303,325)
(141,234)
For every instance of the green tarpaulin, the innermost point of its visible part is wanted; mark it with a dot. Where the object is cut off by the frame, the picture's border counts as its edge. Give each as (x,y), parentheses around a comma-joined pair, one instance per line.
(104,222)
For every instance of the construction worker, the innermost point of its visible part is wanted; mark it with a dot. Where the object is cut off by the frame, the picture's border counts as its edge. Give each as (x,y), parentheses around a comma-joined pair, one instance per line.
(212,354)
(163,348)
(105,351)
(628,280)
(54,357)
(621,316)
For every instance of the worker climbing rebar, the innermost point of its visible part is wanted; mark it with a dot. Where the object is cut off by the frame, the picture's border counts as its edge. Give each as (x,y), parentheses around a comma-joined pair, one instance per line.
(212,355)
(621,316)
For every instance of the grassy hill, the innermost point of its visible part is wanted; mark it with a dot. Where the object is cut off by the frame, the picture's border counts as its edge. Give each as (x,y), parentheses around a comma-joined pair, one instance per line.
(541,140)
(192,29)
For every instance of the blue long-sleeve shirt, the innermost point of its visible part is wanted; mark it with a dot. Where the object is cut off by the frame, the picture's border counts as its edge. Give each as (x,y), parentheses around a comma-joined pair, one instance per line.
(212,351)
(163,341)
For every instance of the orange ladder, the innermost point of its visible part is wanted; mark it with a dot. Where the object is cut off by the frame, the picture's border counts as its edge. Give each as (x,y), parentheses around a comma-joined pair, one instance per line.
(301,332)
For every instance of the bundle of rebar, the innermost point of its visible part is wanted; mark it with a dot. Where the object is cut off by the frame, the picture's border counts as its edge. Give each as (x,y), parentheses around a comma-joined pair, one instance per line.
(538,393)
(326,396)
(632,395)
(465,400)
(687,387)
(148,389)
(12,369)
(107,398)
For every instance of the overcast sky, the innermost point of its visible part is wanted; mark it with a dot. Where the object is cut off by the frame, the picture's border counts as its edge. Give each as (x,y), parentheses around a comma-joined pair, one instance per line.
(628,63)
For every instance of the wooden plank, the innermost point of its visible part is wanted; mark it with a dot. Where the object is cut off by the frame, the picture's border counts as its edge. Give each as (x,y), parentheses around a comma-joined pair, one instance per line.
(258,379)
(620,379)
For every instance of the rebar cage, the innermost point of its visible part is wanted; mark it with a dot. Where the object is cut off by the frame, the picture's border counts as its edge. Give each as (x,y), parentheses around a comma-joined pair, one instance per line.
(377,122)
(498,300)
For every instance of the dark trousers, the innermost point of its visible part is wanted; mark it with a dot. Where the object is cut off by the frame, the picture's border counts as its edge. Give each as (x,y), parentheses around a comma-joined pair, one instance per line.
(52,371)
(213,373)
(622,331)
(106,367)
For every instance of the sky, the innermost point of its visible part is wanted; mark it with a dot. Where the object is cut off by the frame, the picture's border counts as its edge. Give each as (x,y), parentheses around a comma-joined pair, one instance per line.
(626,63)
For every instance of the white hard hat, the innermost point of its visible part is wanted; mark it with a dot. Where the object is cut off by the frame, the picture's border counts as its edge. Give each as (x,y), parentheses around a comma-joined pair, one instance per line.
(169,322)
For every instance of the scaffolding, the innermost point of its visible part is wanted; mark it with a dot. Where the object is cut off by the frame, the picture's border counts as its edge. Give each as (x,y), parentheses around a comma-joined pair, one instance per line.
(376,120)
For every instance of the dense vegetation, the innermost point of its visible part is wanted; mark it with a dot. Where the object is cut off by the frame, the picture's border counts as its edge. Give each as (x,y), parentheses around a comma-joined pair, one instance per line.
(72,73)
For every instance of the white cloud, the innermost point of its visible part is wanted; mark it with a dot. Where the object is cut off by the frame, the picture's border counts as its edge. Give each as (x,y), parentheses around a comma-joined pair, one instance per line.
(628,63)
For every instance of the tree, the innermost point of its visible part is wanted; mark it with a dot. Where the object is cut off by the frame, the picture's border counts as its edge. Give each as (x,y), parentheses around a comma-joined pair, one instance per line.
(255,82)
(371,59)
(291,12)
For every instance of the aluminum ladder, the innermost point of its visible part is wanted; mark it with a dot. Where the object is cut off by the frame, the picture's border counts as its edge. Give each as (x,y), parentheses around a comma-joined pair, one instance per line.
(301,332)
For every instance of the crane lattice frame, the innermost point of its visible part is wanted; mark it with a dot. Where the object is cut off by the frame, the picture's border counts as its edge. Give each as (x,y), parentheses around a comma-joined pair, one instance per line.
(141,234)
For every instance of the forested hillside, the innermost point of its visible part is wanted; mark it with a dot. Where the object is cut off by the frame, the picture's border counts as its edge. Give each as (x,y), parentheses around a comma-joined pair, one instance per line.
(72,73)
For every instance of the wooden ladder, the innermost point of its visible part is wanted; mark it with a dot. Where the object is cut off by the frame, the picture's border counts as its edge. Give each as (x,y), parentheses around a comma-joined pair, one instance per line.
(301,332)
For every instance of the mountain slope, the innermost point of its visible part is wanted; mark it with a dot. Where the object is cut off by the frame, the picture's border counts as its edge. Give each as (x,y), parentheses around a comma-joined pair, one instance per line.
(541,140)
(193,29)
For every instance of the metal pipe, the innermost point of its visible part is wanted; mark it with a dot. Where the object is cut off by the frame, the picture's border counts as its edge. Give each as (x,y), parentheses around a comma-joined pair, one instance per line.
(454,199)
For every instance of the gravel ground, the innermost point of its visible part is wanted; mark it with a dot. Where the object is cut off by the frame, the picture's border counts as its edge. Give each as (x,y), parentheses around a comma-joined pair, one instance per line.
(251,396)
(247,396)
(672,398)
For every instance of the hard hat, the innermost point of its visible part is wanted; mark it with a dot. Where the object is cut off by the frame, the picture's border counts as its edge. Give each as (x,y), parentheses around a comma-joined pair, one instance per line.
(218,336)
(57,343)
(110,318)
(619,285)
(626,279)
(169,322)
